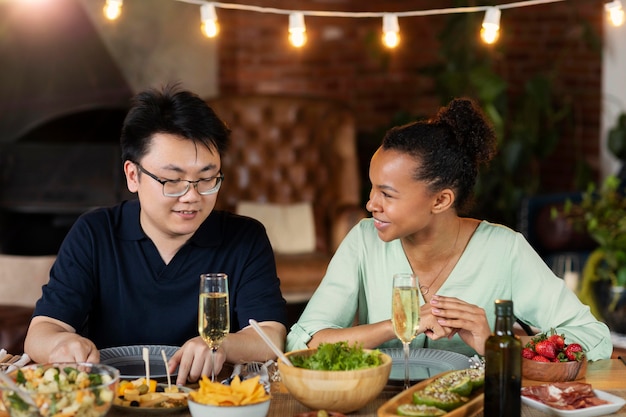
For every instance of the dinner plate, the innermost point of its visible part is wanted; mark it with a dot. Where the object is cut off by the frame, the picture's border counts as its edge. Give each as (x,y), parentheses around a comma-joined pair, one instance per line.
(129,360)
(154,410)
(597,410)
(424,363)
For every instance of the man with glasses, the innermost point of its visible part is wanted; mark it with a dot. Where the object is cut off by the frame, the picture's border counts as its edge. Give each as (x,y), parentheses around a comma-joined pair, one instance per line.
(130,274)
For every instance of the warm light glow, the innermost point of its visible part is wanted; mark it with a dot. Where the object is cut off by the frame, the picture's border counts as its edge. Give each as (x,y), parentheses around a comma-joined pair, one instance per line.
(113,9)
(615,11)
(391,30)
(210,27)
(490,32)
(297,30)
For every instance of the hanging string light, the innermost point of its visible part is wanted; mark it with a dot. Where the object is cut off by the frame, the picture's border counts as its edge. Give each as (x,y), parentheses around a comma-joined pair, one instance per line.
(615,12)
(297,30)
(391,31)
(208,16)
(490,31)
(113,9)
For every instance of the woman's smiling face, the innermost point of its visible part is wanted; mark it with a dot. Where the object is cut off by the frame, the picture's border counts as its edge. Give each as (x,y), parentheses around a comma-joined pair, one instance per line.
(400,205)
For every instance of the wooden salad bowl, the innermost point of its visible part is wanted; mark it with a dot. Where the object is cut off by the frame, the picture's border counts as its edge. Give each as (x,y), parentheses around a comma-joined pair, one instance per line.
(554,371)
(341,391)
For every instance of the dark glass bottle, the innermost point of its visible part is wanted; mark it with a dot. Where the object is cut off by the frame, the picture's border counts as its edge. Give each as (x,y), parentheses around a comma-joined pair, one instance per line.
(503,365)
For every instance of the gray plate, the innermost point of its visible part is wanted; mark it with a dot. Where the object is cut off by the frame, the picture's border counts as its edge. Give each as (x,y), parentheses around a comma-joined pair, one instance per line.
(424,363)
(129,360)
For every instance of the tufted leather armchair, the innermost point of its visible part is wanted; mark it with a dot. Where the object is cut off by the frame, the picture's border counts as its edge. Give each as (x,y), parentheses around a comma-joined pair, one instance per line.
(287,150)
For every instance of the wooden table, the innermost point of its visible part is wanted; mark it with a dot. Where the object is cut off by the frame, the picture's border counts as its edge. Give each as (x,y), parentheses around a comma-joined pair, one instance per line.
(606,375)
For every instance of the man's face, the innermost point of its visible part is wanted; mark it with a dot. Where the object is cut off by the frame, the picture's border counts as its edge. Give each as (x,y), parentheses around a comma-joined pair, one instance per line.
(170,157)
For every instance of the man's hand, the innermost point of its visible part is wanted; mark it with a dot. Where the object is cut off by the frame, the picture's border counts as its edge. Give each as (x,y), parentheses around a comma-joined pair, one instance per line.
(51,340)
(194,359)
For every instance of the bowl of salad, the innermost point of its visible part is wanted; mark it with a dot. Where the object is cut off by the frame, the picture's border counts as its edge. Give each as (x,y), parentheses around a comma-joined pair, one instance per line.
(61,389)
(335,376)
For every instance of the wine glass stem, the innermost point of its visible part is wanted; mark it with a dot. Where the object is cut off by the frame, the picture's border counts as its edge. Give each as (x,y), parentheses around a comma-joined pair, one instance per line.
(406,364)
(213,364)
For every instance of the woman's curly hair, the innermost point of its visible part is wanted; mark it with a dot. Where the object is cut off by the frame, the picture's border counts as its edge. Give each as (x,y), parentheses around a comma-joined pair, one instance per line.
(448,148)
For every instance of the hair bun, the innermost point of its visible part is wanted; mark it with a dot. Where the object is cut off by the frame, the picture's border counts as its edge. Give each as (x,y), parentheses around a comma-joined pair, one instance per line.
(470,127)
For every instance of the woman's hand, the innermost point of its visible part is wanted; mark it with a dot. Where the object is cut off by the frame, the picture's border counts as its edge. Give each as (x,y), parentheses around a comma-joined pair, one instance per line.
(430,326)
(194,359)
(458,316)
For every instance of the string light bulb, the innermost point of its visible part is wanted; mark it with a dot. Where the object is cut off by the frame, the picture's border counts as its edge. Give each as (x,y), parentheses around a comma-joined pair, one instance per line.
(113,9)
(297,30)
(490,31)
(391,30)
(208,16)
(615,11)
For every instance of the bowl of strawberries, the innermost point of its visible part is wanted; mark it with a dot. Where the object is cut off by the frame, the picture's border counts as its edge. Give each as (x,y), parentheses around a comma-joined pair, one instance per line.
(549,357)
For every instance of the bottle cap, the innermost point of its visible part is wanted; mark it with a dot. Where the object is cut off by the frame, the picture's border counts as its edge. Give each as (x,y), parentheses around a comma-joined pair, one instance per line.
(504,308)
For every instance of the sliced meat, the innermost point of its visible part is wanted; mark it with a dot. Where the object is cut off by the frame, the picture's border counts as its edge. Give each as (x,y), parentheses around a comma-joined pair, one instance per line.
(564,395)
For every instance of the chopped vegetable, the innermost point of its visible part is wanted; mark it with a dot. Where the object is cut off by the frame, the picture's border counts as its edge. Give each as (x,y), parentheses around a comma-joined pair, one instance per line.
(62,392)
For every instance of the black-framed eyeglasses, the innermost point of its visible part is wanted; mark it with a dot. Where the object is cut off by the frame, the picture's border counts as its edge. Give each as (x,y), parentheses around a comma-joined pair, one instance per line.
(178,188)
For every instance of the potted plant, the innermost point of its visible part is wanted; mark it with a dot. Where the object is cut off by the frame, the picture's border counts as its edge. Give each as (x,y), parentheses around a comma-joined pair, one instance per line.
(602,213)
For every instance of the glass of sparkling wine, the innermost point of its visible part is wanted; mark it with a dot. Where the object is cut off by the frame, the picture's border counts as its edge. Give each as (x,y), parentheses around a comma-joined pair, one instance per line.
(405,313)
(213,312)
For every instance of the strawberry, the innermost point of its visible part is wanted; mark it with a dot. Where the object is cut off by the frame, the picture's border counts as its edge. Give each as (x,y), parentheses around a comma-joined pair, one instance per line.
(546,348)
(539,358)
(574,352)
(528,353)
(558,340)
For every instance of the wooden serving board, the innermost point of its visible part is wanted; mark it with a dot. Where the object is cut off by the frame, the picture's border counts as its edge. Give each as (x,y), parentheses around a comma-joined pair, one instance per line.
(470,409)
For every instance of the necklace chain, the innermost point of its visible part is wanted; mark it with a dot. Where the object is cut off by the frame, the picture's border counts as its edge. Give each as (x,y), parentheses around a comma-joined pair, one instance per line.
(424,289)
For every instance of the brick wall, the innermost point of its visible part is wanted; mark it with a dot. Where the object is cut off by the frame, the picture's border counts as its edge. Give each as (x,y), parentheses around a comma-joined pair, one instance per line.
(343,59)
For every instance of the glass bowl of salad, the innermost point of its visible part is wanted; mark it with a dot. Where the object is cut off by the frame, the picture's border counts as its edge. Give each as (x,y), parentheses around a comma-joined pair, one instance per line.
(335,376)
(61,389)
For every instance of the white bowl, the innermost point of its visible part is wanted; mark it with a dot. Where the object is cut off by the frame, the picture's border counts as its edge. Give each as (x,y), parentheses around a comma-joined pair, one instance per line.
(259,409)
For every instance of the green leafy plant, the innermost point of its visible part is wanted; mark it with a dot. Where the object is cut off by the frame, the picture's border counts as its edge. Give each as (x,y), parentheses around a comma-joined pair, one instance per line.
(602,213)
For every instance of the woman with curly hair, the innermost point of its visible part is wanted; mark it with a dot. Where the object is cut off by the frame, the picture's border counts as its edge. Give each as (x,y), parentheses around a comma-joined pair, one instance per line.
(423,176)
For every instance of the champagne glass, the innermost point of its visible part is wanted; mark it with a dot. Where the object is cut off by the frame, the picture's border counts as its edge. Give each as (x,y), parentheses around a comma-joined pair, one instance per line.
(405,313)
(213,312)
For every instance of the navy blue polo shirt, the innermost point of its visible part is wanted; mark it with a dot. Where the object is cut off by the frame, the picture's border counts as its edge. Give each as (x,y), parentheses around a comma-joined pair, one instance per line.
(110,283)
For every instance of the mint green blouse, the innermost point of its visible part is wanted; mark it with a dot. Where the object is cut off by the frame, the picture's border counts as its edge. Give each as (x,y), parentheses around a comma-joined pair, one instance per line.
(498,263)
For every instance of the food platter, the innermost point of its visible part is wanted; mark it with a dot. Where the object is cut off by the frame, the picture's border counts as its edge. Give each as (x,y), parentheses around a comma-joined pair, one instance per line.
(598,410)
(472,408)
(155,410)
(423,363)
(129,360)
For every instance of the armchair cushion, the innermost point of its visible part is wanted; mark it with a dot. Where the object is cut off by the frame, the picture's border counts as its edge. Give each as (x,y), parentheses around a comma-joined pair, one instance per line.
(290,227)
(21,279)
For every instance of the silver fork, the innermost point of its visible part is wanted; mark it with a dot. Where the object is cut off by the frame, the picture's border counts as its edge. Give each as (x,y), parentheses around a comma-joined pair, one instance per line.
(253,368)
(257,368)
(236,371)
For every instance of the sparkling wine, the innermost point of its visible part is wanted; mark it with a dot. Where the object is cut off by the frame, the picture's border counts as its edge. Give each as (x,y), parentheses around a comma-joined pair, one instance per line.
(405,313)
(213,318)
